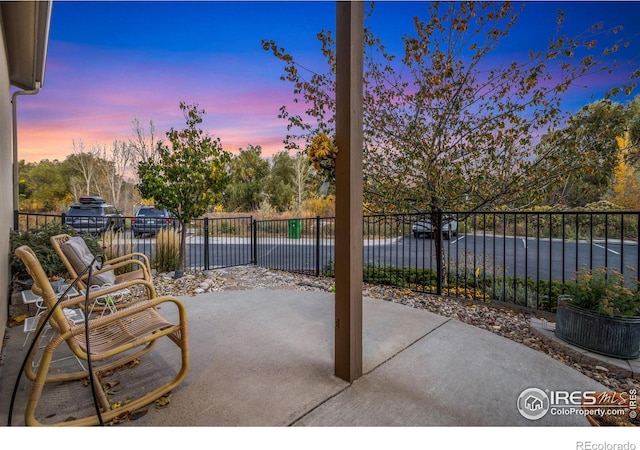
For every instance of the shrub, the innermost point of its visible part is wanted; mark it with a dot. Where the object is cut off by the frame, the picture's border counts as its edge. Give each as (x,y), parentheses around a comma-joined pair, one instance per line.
(605,292)
(39,241)
(329,269)
(167,256)
(117,244)
(472,270)
(514,291)
(540,294)
(414,278)
(385,275)
(319,206)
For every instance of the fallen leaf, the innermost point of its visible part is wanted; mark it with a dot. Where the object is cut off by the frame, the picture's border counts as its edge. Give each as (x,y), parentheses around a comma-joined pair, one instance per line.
(135,415)
(18,320)
(110,384)
(122,417)
(163,401)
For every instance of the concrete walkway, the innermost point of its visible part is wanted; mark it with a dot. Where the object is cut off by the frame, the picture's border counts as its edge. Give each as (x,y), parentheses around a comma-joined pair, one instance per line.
(265,358)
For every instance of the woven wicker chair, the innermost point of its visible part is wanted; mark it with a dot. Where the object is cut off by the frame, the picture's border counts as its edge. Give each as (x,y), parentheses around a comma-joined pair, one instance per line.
(139,260)
(114,340)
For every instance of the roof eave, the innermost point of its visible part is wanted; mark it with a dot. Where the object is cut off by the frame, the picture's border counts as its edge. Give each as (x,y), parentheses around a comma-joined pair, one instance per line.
(26,26)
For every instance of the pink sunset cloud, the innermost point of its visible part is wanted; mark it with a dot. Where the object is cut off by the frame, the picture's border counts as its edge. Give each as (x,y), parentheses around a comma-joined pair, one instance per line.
(98,107)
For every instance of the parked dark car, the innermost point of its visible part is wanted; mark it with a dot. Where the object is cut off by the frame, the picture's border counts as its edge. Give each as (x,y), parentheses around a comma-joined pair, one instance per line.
(93,215)
(150,220)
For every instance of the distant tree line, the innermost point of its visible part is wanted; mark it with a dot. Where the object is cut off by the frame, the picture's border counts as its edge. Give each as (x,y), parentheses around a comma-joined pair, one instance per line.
(600,143)
(253,182)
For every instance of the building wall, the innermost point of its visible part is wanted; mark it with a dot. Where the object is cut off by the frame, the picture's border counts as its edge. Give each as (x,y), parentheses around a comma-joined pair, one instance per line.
(6,183)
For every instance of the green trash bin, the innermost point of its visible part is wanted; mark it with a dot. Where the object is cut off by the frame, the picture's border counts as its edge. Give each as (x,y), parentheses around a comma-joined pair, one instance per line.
(295,228)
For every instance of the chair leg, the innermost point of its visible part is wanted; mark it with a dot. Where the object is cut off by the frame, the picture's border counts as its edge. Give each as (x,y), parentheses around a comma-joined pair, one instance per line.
(38,385)
(102,397)
(109,414)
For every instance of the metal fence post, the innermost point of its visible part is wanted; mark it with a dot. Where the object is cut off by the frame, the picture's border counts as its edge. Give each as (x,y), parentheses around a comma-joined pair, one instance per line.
(317,246)
(206,244)
(254,242)
(439,250)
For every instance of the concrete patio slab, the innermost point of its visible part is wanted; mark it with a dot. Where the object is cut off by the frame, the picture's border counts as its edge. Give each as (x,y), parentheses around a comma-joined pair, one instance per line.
(265,358)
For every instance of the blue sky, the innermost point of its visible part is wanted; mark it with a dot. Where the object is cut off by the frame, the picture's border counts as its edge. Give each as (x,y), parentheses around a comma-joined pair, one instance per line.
(110,62)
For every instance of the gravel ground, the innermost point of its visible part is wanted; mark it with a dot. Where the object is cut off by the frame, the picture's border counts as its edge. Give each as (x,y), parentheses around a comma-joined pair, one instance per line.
(508,323)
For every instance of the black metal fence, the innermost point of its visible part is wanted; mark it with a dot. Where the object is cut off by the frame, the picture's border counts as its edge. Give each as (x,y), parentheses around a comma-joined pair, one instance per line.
(295,245)
(210,243)
(523,258)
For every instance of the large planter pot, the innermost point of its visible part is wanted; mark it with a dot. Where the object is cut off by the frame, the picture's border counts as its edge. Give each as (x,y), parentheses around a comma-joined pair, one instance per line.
(618,337)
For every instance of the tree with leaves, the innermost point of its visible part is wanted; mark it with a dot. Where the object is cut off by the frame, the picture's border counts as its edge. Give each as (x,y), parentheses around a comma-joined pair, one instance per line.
(626,186)
(632,113)
(189,175)
(444,126)
(248,175)
(593,158)
(300,180)
(280,184)
(44,186)
(576,163)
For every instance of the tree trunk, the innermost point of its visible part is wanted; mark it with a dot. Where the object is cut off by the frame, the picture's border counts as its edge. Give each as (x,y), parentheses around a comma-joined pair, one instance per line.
(183,242)
(436,227)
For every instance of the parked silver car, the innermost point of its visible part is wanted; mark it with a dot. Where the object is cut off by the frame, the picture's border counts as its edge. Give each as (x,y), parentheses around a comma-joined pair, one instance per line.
(424,228)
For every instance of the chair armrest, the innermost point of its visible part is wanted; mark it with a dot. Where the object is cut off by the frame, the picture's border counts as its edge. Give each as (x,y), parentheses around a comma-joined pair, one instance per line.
(151,292)
(132,257)
(136,262)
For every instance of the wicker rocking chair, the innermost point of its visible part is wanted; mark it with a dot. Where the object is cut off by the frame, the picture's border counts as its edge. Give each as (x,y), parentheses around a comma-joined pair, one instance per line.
(114,340)
(75,255)
(62,243)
